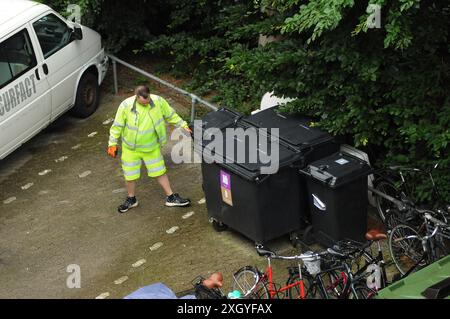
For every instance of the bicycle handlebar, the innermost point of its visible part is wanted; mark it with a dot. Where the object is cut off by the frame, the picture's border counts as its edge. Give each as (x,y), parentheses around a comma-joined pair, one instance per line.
(270,254)
(301,257)
(426,237)
(336,253)
(435,220)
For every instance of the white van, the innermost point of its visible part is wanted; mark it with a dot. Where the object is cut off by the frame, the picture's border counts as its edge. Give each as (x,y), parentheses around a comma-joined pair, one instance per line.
(48,65)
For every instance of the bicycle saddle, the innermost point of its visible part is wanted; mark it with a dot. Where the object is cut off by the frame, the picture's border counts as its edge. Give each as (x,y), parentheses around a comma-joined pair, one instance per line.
(265,252)
(375,235)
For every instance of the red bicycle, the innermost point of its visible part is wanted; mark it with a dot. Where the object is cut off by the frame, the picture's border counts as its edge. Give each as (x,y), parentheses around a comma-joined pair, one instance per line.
(253,284)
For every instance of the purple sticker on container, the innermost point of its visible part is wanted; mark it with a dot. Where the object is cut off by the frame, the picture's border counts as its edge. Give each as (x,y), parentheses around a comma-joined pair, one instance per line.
(225,180)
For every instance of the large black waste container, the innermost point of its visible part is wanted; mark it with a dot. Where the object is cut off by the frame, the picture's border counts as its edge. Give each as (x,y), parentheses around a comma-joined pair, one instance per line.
(238,194)
(337,190)
(299,134)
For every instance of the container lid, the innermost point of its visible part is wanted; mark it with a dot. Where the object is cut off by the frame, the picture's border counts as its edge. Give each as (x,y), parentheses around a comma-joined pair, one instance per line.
(338,169)
(295,130)
(250,157)
(220,119)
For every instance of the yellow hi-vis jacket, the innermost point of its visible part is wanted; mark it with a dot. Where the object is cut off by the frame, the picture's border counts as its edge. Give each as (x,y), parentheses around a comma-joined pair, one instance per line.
(143,128)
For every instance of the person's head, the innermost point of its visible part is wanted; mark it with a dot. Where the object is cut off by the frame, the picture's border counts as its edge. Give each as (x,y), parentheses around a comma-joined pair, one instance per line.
(142,94)
(214,281)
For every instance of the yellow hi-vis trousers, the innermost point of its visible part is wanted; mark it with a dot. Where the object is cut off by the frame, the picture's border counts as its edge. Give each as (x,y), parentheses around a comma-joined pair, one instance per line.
(132,160)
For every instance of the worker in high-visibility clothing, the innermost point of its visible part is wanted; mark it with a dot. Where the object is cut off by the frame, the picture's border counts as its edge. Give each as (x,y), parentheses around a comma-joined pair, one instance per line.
(140,122)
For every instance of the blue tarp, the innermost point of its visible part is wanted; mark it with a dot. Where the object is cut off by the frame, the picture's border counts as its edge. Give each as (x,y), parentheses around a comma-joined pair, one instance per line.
(155,291)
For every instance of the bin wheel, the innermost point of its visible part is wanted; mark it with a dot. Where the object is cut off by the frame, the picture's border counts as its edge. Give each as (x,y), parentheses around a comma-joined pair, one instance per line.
(294,238)
(308,235)
(219,226)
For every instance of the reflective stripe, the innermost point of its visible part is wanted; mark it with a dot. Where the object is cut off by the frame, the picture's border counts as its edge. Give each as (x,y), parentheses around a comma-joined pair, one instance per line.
(156,169)
(118,124)
(131,164)
(147,145)
(132,128)
(127,143)
(139,146)
(161,140)
(179,123)
(146,132)
(131,173)
(158,122)
(170,115)
(159,159)
(113,139)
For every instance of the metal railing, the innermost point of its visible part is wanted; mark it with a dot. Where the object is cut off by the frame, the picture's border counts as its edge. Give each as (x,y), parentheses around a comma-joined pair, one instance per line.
(194,98)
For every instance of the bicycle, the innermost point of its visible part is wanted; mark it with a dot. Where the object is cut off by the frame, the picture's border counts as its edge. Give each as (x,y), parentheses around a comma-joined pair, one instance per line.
(374,266)
(254,284)
(348,284)
(394,195)
(337,280)
(304,281)
(410,251)
(369,278)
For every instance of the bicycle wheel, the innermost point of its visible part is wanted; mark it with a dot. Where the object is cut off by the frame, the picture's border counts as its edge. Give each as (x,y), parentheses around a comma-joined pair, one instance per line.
(393,218)
(249,283)
(405,252)
(383,204)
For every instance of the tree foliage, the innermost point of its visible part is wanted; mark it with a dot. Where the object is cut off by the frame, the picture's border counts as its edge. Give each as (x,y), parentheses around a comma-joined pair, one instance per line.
(385,89)
(121,23)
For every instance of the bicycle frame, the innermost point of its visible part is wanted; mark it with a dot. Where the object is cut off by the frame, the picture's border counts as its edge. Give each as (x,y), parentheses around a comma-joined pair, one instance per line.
(268,277)
(379,261)
(346,278)
(349,278)
(405,187)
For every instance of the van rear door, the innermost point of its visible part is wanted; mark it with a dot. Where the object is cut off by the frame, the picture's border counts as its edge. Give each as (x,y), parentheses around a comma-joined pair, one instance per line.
(25,100)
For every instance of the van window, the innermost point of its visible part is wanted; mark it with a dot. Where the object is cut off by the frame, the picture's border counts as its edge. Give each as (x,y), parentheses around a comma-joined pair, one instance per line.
(16,57)
(53,34)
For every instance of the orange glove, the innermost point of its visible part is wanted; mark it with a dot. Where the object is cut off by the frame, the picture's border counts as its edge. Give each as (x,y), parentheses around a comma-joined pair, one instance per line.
(187,128)
(112,151)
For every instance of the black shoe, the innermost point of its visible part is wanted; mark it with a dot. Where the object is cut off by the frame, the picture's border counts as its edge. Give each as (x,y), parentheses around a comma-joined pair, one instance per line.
(129,203)
(175,200)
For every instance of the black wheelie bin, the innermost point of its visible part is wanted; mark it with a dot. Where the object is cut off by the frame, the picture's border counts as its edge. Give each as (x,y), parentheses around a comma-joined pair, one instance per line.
(301,136)
(261,206)
(337,191)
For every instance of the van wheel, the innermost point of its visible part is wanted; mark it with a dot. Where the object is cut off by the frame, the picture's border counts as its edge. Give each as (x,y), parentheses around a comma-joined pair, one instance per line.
(87,98)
